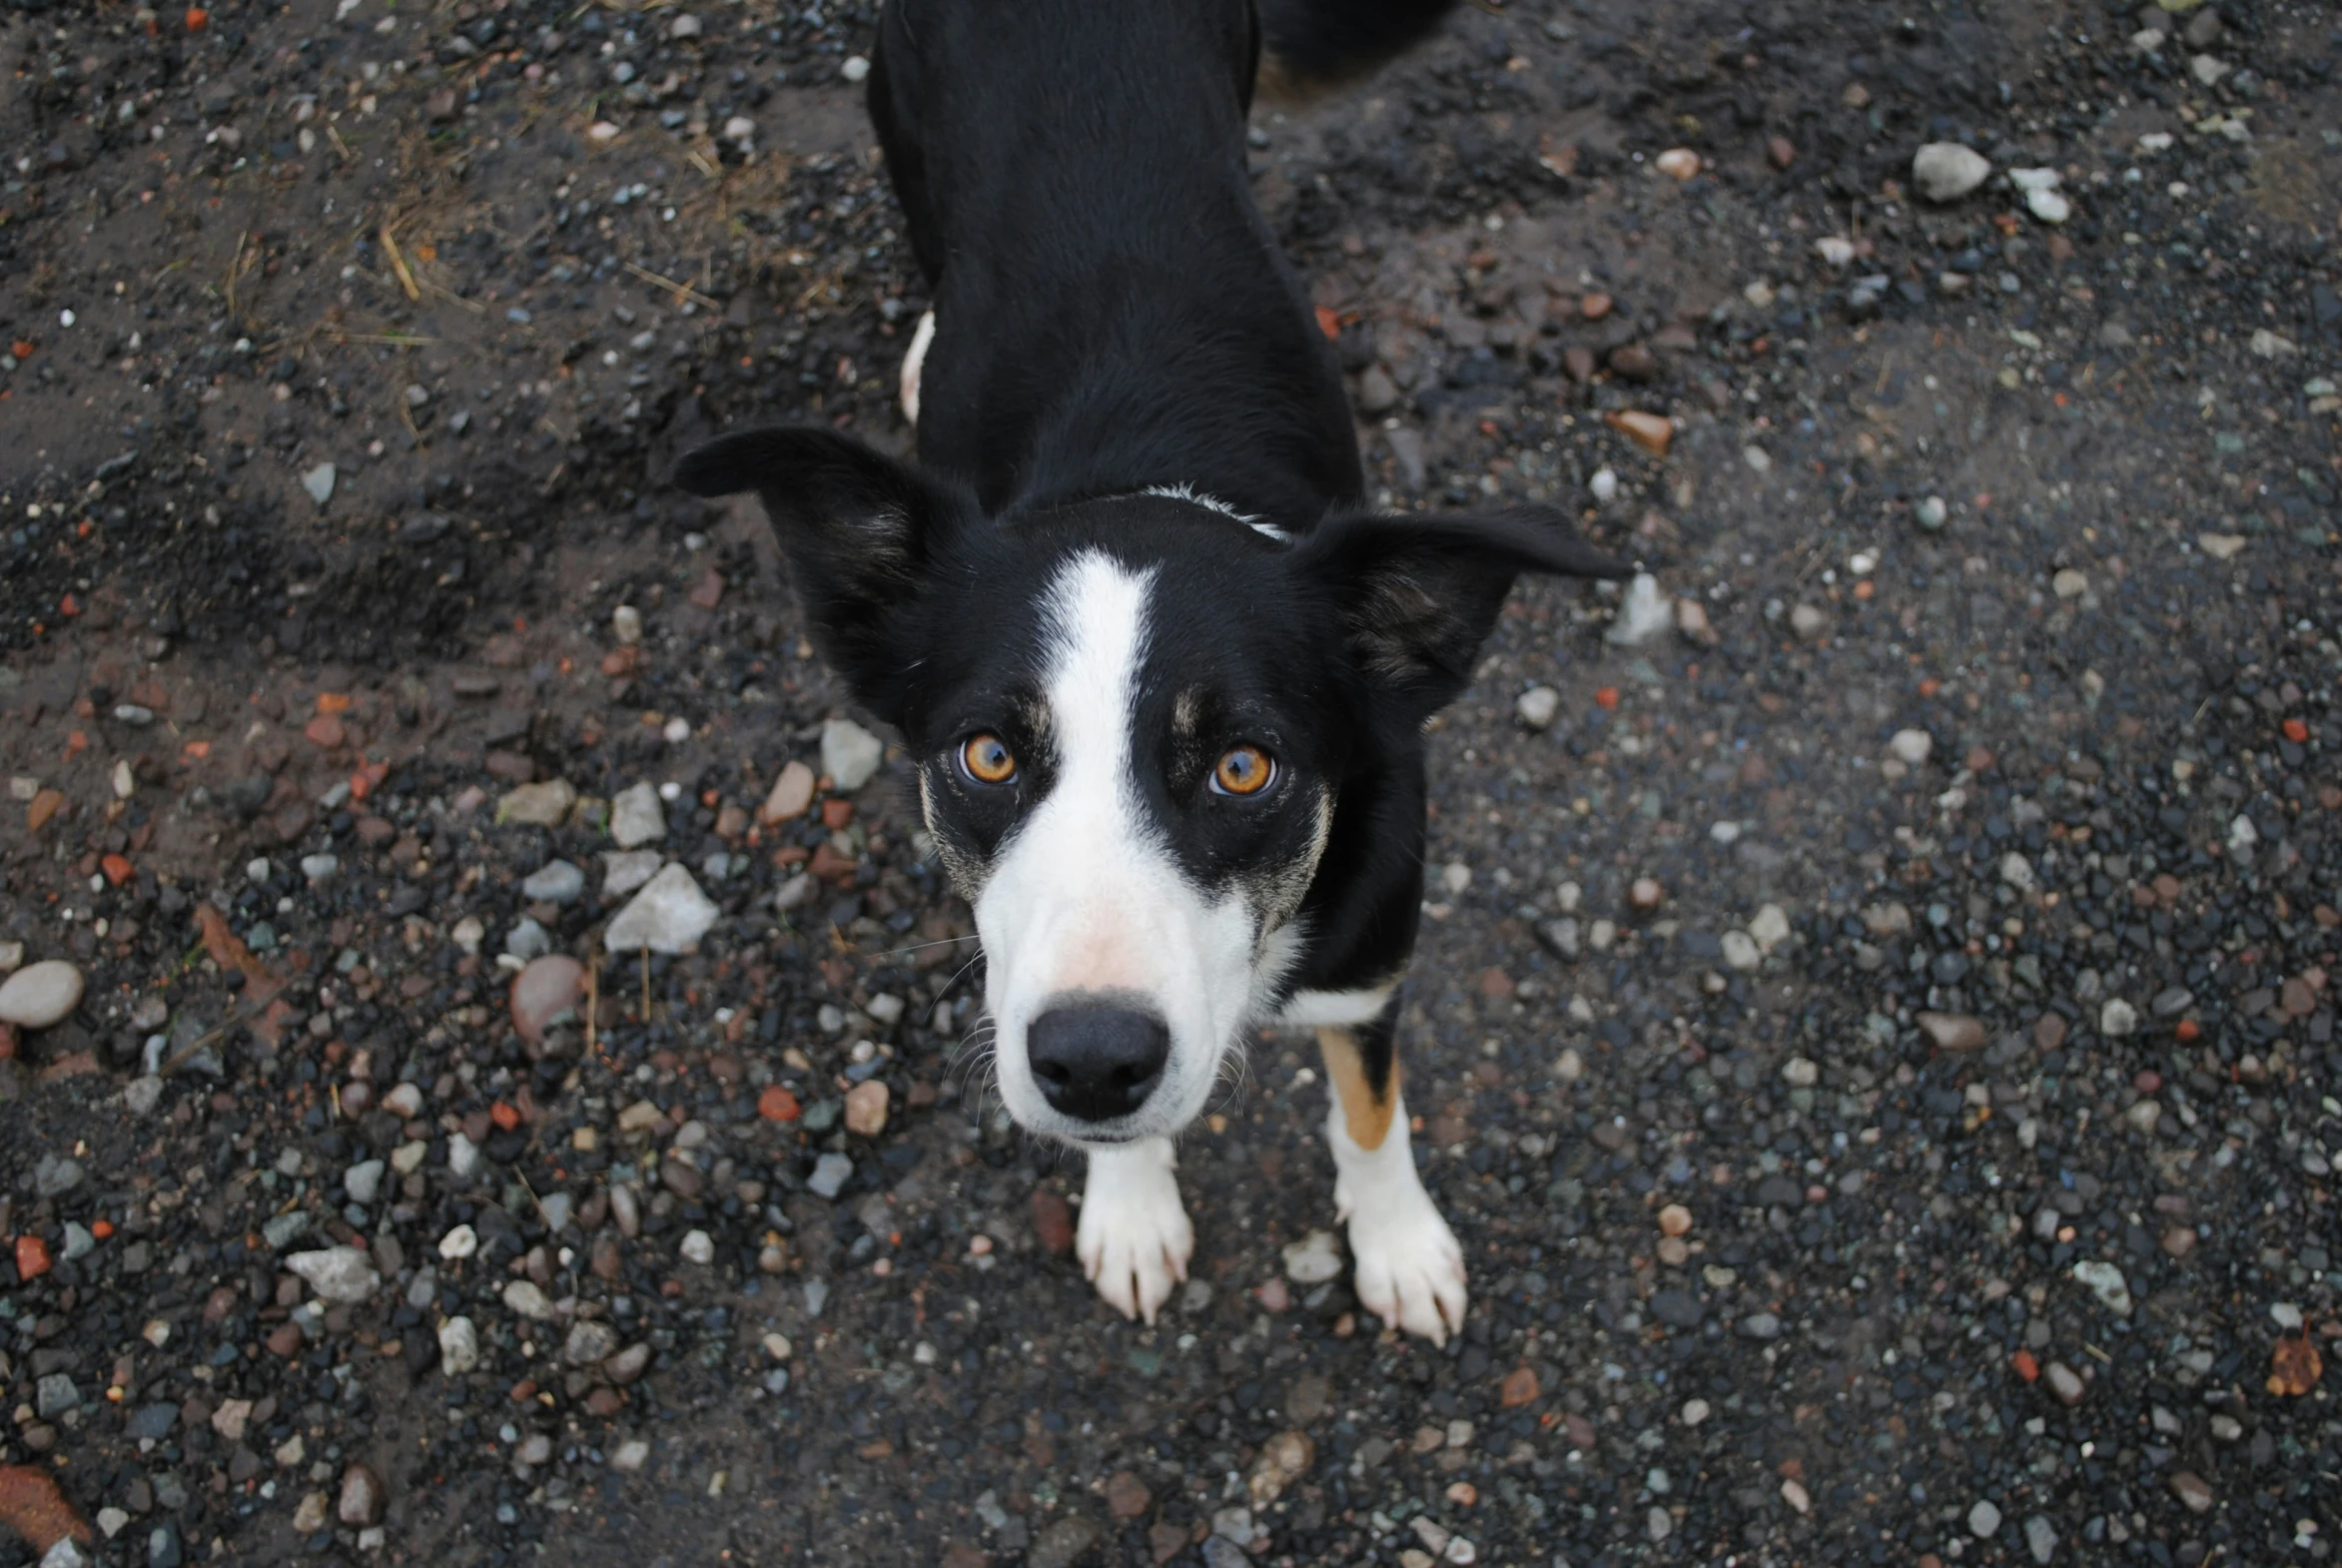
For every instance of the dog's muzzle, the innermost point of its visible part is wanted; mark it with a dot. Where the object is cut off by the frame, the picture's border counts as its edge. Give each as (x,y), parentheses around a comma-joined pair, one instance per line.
(1097,1062)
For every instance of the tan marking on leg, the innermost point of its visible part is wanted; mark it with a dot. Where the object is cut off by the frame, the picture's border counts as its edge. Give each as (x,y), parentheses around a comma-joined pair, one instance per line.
(1366,1116)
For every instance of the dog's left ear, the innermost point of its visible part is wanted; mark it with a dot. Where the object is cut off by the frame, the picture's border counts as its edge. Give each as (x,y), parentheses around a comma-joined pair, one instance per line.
(1417,596)
(862,533)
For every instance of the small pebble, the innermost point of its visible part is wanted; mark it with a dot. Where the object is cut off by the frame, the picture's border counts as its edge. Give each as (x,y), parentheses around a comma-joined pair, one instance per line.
(40,995)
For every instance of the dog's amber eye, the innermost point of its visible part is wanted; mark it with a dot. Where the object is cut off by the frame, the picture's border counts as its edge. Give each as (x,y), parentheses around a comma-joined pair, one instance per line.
(1245,770)
(988,759)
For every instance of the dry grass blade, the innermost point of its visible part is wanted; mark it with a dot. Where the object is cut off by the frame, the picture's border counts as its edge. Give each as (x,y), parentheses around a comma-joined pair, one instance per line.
(399,262)
(682,291)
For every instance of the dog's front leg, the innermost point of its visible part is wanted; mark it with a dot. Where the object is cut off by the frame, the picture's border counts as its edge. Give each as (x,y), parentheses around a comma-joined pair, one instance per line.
(1133,1240)
(1411,1271)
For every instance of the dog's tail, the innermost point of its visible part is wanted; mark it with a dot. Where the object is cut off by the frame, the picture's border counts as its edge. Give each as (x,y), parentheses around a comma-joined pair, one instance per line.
(1308,46)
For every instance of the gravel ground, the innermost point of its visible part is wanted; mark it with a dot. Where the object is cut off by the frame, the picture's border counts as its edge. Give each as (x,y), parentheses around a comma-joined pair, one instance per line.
(1875,1031)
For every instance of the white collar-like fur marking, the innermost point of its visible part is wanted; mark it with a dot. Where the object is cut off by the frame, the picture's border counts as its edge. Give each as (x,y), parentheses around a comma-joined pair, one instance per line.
(1184,491)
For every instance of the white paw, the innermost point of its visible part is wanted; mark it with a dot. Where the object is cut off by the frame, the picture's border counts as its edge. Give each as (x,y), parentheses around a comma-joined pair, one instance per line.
(1410,1269)
(1133,1240)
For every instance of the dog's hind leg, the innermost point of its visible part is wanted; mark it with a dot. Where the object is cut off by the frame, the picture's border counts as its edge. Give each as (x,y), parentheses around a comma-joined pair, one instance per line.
(1133,1240)
(1411,1271)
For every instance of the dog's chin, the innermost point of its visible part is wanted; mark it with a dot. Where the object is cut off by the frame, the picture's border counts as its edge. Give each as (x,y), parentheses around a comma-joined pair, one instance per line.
(1166,1114)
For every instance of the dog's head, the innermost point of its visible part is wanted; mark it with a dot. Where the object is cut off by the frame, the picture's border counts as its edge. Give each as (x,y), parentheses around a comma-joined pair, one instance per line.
(1133,720)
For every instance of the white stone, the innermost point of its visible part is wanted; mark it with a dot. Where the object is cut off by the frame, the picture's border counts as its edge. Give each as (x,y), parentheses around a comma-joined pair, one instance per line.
(526,1299)
(40,995)
(1644,614)
(2117,1018)
(2105,1281)
(636,818)
(1769,928)
(1946,171)
(1984,1519)
(697,1248)
(1911,747)
(850,754)
(318,481)
(363,1181)
(1538,706)
(1836,250)
(459,1346)
(460,1243)
(1741,951)
(630,1457)
(1313,1259)
(2017,872)
(855,69)
(2050,206)
(337,1274)
(669,915)
(1604,486)
(2208,69)
(1931,513)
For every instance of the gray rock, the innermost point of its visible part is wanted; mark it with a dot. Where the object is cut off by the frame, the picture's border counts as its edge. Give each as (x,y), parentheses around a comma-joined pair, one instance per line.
(556,882)
(2040,1538)
(1984,1519)
(281,1230)
(850,754)
(1377,394)
(363,1181)
(1760,1325)
(320,867)
(40,995)
(151,1423)
(337,1274)
(1946,171)
(318,481)
(55,1394)
(1064,1542)
(69,1553)
(54,1175)
(636,818)
(669,915)
(625,870)
(830,1174)
(544,805)
(528,940)
(591,1342)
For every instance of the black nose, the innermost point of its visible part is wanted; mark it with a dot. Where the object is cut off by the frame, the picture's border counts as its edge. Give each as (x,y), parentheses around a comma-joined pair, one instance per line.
(1096,1063)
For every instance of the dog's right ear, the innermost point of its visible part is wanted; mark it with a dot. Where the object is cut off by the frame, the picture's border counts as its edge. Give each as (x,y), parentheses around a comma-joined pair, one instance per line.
(862,533)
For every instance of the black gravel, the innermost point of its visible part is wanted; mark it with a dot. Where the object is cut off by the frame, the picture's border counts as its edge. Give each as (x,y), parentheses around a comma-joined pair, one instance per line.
(2111,876)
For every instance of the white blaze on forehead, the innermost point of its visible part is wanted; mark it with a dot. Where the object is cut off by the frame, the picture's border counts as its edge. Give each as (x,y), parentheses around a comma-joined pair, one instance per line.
(1085,895)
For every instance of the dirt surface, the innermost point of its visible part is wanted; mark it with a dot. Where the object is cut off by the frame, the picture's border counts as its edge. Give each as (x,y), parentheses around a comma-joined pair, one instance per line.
(1874,1034)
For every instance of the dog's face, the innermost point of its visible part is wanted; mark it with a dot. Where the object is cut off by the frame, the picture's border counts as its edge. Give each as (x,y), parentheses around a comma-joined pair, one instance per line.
(1133,720)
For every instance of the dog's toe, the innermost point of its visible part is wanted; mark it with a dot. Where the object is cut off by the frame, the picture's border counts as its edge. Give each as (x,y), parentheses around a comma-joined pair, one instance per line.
(1411,1271)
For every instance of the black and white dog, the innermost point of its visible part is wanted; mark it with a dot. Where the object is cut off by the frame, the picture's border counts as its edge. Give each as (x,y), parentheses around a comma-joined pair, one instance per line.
(1163,675)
